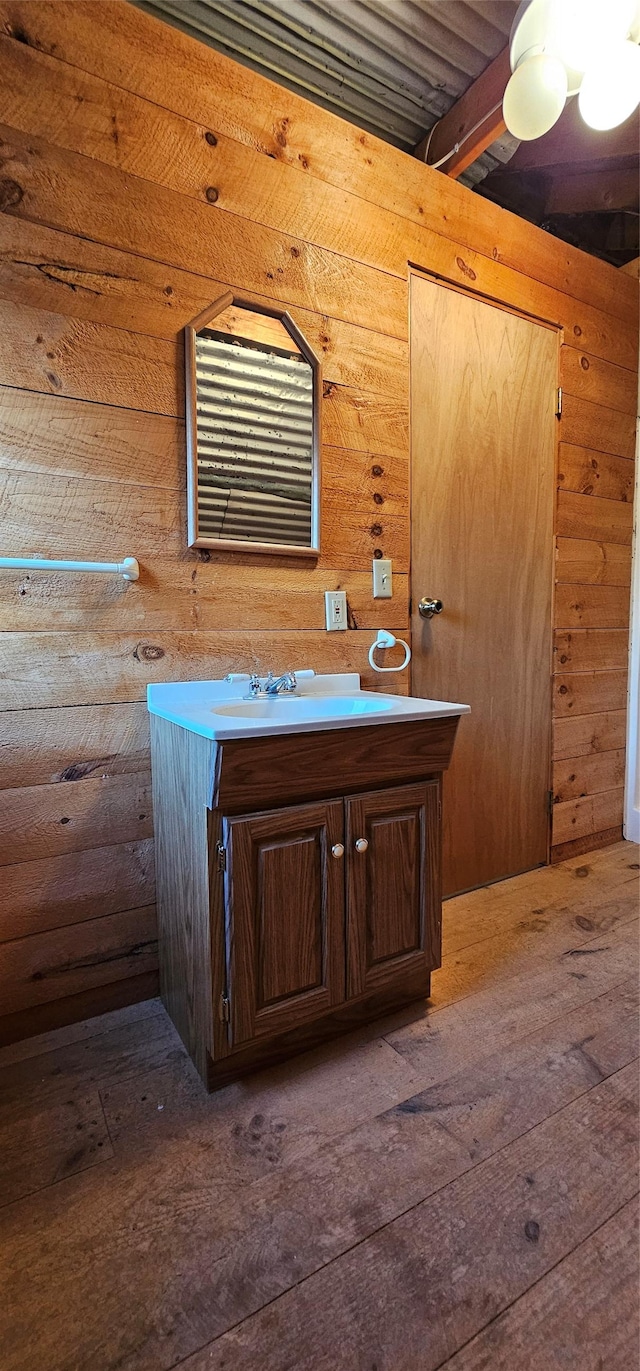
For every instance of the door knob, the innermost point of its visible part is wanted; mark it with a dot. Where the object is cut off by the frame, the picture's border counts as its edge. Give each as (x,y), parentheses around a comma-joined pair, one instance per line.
(337,850)
(361,844)
(427,608)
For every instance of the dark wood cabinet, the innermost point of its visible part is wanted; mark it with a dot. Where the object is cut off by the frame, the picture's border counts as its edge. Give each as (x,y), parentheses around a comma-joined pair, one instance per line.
(322,896)
(284,927)
(284,898)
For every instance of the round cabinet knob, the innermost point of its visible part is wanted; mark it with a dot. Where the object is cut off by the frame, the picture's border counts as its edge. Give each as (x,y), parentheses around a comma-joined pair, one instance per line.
(427,608)
(337,850)
(361,844)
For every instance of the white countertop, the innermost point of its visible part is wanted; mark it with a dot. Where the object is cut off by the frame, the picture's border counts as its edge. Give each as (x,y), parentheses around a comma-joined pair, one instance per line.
(218,709)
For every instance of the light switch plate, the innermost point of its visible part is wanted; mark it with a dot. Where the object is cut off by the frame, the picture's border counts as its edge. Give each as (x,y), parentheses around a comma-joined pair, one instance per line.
(382,579)
(335,610)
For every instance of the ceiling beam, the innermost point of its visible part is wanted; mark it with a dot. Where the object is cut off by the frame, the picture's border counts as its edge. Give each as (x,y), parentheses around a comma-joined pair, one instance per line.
(537,194)
(588,191)
(571,142)
(481,97)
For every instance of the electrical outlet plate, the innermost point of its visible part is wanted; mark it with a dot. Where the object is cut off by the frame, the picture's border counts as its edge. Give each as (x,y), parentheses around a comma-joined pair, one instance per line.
(382,579)
(335,610)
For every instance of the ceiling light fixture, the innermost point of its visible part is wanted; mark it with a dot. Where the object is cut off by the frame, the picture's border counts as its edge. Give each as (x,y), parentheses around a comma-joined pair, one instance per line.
(560,48)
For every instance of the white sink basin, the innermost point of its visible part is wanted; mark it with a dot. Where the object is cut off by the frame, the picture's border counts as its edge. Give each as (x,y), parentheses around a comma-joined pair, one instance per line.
(291,708)
(217,709)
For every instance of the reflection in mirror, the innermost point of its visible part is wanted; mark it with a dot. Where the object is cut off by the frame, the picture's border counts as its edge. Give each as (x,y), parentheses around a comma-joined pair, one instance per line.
(253,385)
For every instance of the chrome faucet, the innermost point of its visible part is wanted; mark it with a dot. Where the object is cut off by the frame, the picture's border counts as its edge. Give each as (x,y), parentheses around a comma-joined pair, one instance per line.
(273,685)
(286,683)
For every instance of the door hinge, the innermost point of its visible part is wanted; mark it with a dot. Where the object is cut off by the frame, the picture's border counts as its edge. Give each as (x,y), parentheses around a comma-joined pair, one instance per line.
(550,803)
(559,402)
(221,854)
(225,1009)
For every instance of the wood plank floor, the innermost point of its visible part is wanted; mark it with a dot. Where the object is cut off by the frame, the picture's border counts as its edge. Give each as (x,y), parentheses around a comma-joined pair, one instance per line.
(454,1187)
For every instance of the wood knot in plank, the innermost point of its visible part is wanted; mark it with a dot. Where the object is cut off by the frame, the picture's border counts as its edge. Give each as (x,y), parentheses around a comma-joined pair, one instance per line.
(20,35)
(78,770)
(280,132)
(11,193)
(148,652)
(466,269)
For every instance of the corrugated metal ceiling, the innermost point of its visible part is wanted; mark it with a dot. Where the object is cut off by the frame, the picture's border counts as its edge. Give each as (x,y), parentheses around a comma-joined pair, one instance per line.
(393,67)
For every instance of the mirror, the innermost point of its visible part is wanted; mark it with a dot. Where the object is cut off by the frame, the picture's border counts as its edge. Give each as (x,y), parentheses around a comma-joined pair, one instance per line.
(253,417)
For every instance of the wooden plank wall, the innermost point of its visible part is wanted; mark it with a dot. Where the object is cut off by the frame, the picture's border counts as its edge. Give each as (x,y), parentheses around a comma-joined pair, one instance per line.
(141,174)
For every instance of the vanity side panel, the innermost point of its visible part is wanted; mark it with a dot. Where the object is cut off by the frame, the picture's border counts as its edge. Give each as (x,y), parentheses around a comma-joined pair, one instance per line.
(181,777)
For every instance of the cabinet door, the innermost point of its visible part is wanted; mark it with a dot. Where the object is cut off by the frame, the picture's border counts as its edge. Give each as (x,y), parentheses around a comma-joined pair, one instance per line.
(393,885)
(285,917)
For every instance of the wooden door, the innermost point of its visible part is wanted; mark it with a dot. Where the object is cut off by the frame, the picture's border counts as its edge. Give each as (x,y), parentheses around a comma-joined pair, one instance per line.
(285,917)
(393,885)
(483,393)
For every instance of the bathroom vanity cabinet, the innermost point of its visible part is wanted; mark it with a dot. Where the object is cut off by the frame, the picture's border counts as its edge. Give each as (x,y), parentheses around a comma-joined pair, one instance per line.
(298,883)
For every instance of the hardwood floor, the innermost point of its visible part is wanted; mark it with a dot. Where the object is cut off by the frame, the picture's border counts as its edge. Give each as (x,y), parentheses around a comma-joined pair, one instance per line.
(454,1187)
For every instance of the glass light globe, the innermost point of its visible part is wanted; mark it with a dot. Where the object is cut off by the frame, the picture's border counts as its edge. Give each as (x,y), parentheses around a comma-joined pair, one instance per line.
(610,87)
(579,29)
(535,96)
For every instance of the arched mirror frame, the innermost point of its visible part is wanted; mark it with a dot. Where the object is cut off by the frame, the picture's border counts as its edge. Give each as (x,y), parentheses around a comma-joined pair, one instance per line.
(231,544)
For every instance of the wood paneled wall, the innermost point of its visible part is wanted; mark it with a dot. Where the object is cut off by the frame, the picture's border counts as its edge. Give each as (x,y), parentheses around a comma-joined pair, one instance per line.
(141,174)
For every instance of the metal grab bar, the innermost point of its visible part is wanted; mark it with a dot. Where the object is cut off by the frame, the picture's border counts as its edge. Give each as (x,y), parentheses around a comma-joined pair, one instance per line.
(128,568)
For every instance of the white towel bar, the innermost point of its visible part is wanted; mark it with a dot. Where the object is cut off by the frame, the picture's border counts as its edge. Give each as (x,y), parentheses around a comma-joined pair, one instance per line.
(128,568)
